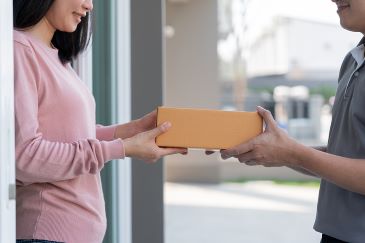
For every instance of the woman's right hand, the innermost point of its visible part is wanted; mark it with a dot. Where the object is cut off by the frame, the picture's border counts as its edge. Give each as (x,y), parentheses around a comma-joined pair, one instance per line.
(143,146)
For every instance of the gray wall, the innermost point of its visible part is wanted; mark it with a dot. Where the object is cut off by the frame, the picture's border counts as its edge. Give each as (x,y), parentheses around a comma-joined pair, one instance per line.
(147,79)
(191,55)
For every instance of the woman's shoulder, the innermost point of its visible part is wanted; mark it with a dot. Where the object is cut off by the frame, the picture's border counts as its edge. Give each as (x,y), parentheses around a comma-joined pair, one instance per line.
(21,38)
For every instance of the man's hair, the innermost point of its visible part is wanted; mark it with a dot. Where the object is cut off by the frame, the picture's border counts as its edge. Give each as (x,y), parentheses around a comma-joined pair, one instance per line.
(27,13)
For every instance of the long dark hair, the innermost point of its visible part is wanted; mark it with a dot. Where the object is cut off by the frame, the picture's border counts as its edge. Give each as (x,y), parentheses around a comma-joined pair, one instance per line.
(27,13)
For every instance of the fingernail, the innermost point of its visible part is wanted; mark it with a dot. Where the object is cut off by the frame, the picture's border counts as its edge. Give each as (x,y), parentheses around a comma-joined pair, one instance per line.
(167,125)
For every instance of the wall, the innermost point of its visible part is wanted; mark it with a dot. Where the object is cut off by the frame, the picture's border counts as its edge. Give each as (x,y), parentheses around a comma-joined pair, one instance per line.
(192,78)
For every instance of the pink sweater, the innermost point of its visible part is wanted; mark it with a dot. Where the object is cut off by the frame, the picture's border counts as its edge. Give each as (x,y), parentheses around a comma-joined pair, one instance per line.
(59,149)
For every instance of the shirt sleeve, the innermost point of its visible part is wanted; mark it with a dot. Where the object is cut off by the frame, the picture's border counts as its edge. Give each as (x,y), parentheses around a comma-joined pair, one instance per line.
(37,159)
(105,133)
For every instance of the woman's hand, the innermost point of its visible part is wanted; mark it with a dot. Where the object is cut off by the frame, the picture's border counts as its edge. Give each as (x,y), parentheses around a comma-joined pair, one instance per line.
(147,122)
(143,146)
(271,148)
(134,127)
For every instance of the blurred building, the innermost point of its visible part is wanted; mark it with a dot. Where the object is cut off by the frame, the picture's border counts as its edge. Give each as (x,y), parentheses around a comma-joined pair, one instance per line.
(297,55)
(289,55)
(300,49)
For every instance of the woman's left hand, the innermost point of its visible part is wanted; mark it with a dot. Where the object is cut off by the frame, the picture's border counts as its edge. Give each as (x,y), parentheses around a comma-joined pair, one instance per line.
(147,122)
(143,145)
(134,127)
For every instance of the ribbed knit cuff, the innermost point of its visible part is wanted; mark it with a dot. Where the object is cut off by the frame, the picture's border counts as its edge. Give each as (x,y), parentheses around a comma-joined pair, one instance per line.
(114,149)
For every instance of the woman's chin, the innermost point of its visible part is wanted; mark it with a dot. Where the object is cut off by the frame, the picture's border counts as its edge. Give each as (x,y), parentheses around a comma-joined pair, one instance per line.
(69,29)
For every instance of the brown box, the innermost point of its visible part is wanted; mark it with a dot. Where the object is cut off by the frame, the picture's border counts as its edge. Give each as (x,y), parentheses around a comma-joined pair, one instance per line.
(207,129)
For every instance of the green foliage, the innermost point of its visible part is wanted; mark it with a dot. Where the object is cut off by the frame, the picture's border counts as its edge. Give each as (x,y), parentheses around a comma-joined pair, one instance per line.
(314,183)
(324,90)
(262,90)
(301,183)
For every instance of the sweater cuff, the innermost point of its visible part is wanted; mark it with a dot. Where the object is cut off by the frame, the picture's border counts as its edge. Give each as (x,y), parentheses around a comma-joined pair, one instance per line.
(114,149)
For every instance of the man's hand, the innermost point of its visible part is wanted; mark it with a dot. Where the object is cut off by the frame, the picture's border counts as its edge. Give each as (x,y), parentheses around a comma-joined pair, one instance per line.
(271,148)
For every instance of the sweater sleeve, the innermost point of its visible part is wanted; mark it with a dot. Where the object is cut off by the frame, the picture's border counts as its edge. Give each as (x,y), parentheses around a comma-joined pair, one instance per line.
(37,159)
(105,133)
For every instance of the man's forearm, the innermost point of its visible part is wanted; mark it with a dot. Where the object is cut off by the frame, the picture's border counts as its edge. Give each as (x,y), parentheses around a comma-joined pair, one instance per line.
(344,172)
(304,171)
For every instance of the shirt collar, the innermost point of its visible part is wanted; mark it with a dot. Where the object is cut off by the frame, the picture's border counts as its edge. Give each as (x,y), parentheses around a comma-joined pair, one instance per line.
(362,41)
(358,52)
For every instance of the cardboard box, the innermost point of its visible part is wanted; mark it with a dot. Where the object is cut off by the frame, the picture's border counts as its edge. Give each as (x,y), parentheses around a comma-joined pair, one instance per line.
(207,129)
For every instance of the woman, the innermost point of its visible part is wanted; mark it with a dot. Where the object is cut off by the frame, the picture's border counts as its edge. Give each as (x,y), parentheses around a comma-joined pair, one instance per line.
(59,149)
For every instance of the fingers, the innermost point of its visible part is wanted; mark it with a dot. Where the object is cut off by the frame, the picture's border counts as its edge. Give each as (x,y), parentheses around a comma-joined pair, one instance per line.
(247,158)
(159,130)
(157,154)
(149,120)
(237,150)
(184,153)
(268,118)
(169,151)
(152,115)
(209,152)
(250,163)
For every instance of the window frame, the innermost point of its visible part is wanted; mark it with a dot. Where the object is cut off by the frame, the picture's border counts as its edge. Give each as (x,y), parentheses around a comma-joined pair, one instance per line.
(7,144)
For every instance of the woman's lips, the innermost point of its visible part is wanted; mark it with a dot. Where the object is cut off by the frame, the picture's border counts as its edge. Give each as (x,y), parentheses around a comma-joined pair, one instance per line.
(78,16)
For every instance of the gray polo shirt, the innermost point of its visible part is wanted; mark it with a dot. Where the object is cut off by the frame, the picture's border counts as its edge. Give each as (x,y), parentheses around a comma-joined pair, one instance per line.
(341,213)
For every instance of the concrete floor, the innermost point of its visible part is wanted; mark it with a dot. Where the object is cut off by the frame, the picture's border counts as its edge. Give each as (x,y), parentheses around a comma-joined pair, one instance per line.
(253,212)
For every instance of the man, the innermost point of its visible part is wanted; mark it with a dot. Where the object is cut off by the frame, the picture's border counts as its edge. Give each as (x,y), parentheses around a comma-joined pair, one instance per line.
(341,165)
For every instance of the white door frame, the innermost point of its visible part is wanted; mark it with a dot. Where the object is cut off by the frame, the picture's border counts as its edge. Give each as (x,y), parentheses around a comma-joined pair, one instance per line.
(124,111)
(7,145)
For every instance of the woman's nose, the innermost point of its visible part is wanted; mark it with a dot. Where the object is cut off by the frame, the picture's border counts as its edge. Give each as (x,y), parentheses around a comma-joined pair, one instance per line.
(88,5)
